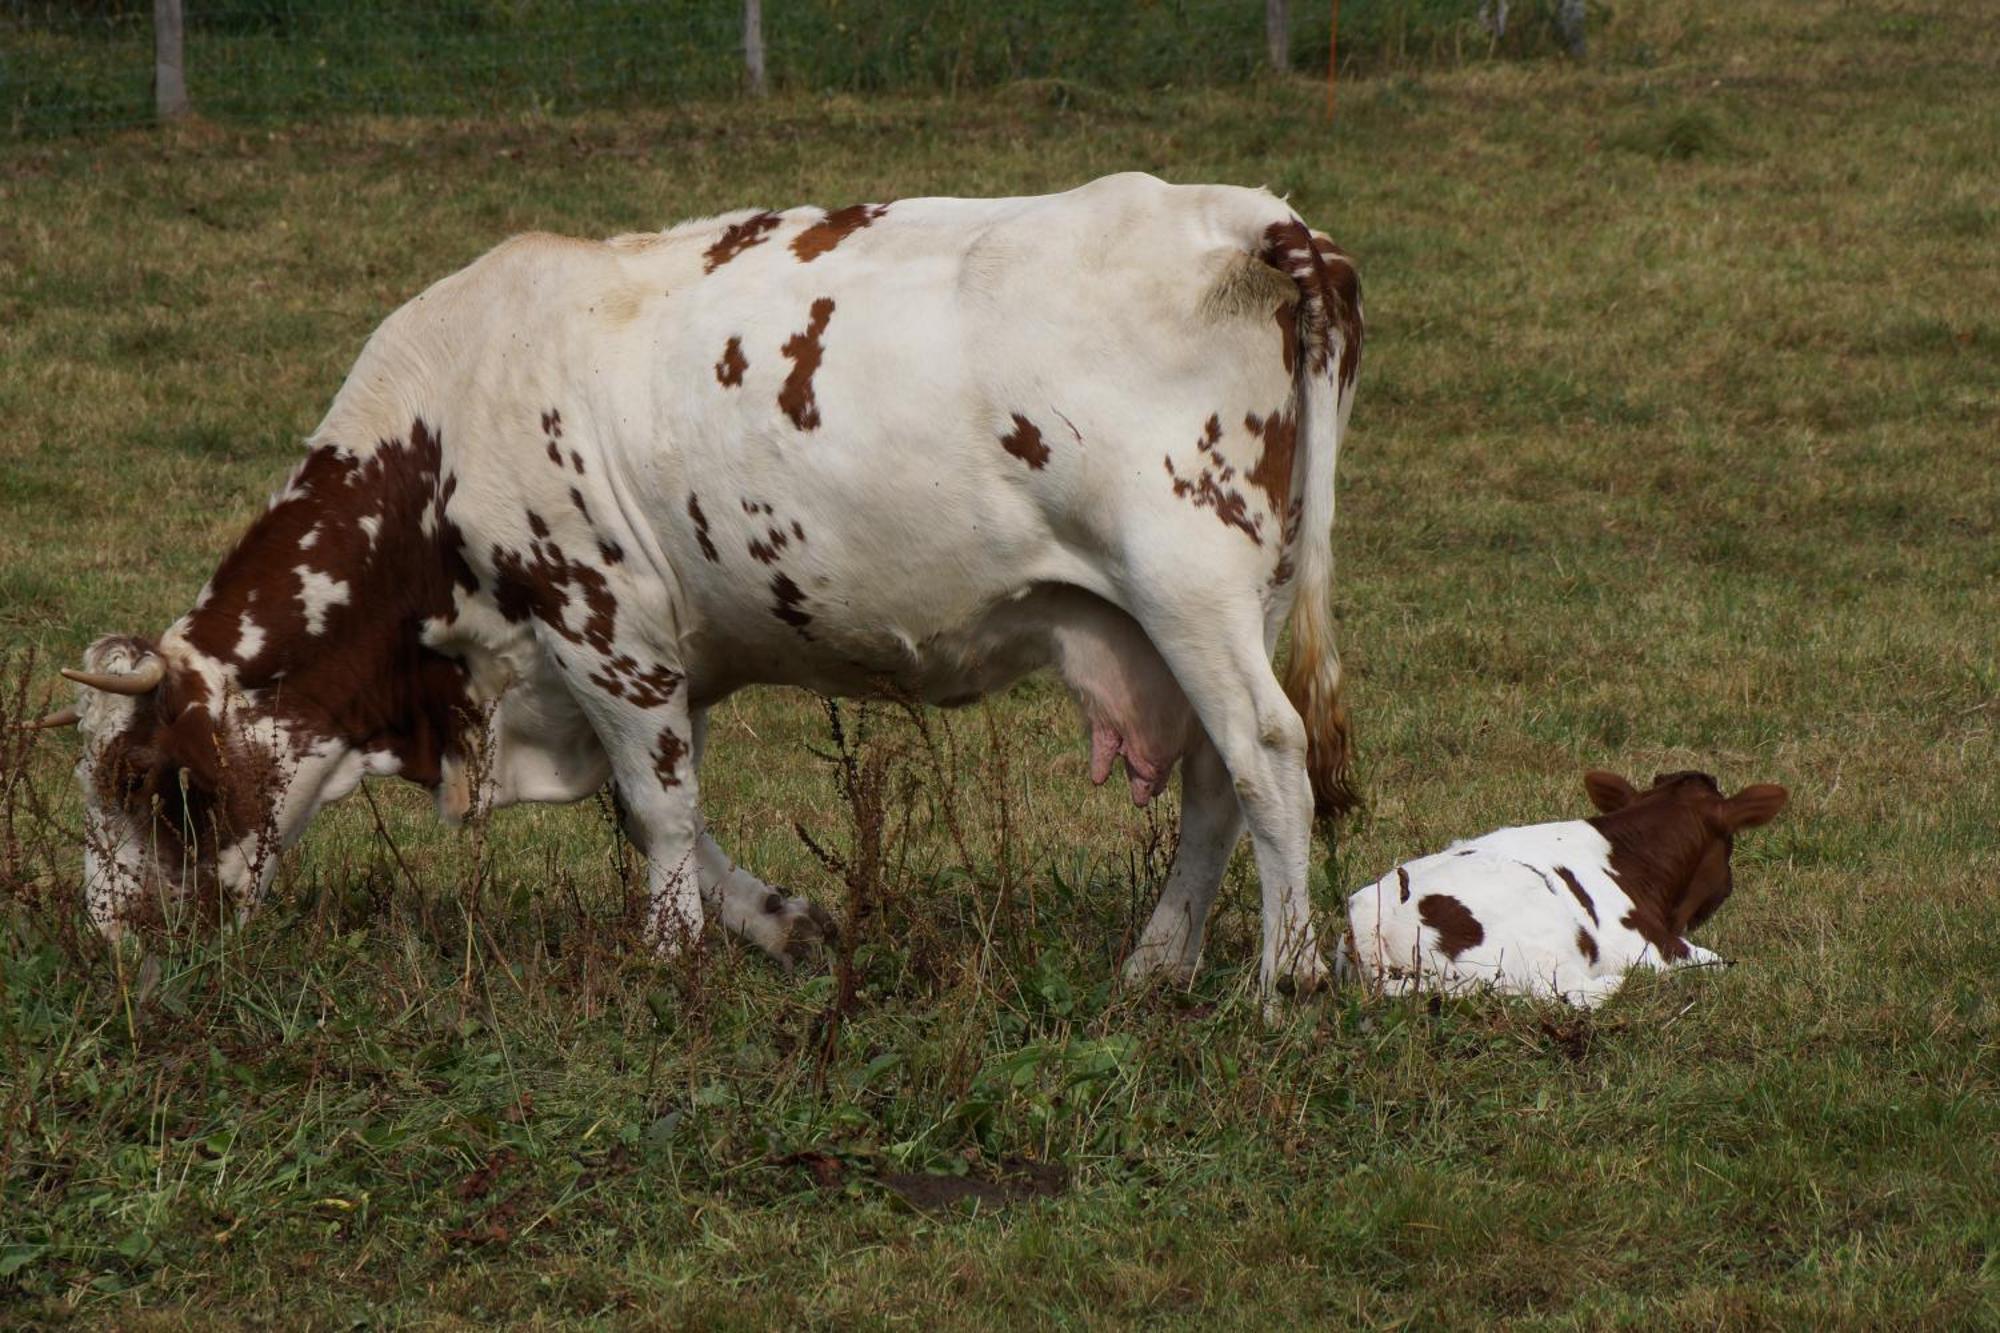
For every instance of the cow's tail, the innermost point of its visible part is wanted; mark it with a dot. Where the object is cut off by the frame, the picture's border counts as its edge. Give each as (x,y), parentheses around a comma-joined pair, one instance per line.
(1328,333)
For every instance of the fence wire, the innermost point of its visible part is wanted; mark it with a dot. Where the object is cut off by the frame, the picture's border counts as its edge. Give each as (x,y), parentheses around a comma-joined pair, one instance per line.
(87,65)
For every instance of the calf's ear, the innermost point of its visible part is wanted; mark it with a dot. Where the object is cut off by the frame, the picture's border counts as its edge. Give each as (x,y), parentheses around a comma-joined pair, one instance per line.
(1607,791)
(1754,805)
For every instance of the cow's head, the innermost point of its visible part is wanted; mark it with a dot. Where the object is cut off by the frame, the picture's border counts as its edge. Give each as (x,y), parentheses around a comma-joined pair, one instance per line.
(189,789)
(1671,843)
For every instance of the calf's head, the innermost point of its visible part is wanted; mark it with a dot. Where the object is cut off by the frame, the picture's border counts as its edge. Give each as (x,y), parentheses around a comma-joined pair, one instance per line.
(1670,844)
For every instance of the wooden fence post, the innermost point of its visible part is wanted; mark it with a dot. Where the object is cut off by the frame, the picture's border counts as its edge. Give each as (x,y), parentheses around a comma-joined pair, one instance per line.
(1278,33)
(753,45)
(170,96)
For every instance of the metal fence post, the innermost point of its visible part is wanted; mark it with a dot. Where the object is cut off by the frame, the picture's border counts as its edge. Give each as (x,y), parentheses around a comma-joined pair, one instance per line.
(753,45)
(1278,33)
(170,96)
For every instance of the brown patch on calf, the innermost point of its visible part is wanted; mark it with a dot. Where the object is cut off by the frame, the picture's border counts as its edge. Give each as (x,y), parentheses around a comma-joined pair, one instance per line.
(1577,892)
(1402,885)
(738,237)
(1670,848)
(834,228)
(1025,443)
(701,537)
(804,350)
(1586,944)
(729,370)
(1457,928)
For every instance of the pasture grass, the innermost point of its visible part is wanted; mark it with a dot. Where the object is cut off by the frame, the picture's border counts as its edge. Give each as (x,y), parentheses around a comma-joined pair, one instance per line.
(1675,449)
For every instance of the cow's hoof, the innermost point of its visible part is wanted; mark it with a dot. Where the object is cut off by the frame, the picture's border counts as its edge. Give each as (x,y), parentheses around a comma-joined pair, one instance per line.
(795,930)
(1307,978)
(1149,965)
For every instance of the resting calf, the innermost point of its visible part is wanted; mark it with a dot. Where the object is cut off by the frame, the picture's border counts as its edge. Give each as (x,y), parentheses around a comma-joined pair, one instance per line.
(1565,909)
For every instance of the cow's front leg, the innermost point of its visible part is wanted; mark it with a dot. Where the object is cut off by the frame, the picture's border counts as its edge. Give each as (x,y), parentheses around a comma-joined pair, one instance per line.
(653,765)
(1211,824)
(789,929)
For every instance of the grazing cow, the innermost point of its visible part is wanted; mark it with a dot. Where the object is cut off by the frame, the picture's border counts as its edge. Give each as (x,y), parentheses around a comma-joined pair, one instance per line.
(1562,909)
(572,496)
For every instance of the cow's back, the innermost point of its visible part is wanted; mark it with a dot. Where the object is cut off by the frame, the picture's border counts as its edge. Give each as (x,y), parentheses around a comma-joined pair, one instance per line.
(843,442)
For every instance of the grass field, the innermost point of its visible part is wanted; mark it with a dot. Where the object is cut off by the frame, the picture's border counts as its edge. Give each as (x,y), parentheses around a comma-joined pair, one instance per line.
(1676,448)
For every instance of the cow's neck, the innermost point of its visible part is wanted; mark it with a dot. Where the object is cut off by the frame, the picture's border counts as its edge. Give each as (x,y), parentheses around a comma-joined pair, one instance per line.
(317,613)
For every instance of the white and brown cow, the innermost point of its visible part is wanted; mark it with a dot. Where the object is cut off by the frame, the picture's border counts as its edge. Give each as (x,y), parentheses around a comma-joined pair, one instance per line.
(574,495)
(1560,910)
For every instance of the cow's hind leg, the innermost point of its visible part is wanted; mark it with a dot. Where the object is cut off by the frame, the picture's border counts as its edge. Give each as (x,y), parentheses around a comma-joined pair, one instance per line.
(1212,638)
(788,928)
(1211,823)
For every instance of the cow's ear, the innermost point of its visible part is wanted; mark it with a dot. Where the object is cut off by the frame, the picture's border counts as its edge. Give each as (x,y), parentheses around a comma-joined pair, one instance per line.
(1754,805)
(1608,792)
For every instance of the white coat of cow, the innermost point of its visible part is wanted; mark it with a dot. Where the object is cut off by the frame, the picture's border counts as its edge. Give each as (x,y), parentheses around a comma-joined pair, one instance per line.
(575,494)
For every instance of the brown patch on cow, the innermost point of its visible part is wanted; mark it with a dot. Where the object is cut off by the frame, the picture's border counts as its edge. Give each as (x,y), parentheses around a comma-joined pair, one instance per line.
(701,537)
(610,551)
(546,582)
(555,453)
(576,498)
(1273,472)
(1206,489)
(804,351)
(1402,885)
(1577,891)
(1586,944)
(729,370)
(738,237)
(789,595)
(798,532)
(576,461)
(367,679)
(667,757)
(1457,929)
(643,687)
(834,228)
(552,423)
(1025,443)
(1287,316)
(765,549)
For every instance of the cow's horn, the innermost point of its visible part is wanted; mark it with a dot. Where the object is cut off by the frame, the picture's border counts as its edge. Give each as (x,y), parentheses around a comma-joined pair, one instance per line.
(62,717)
(142,681)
